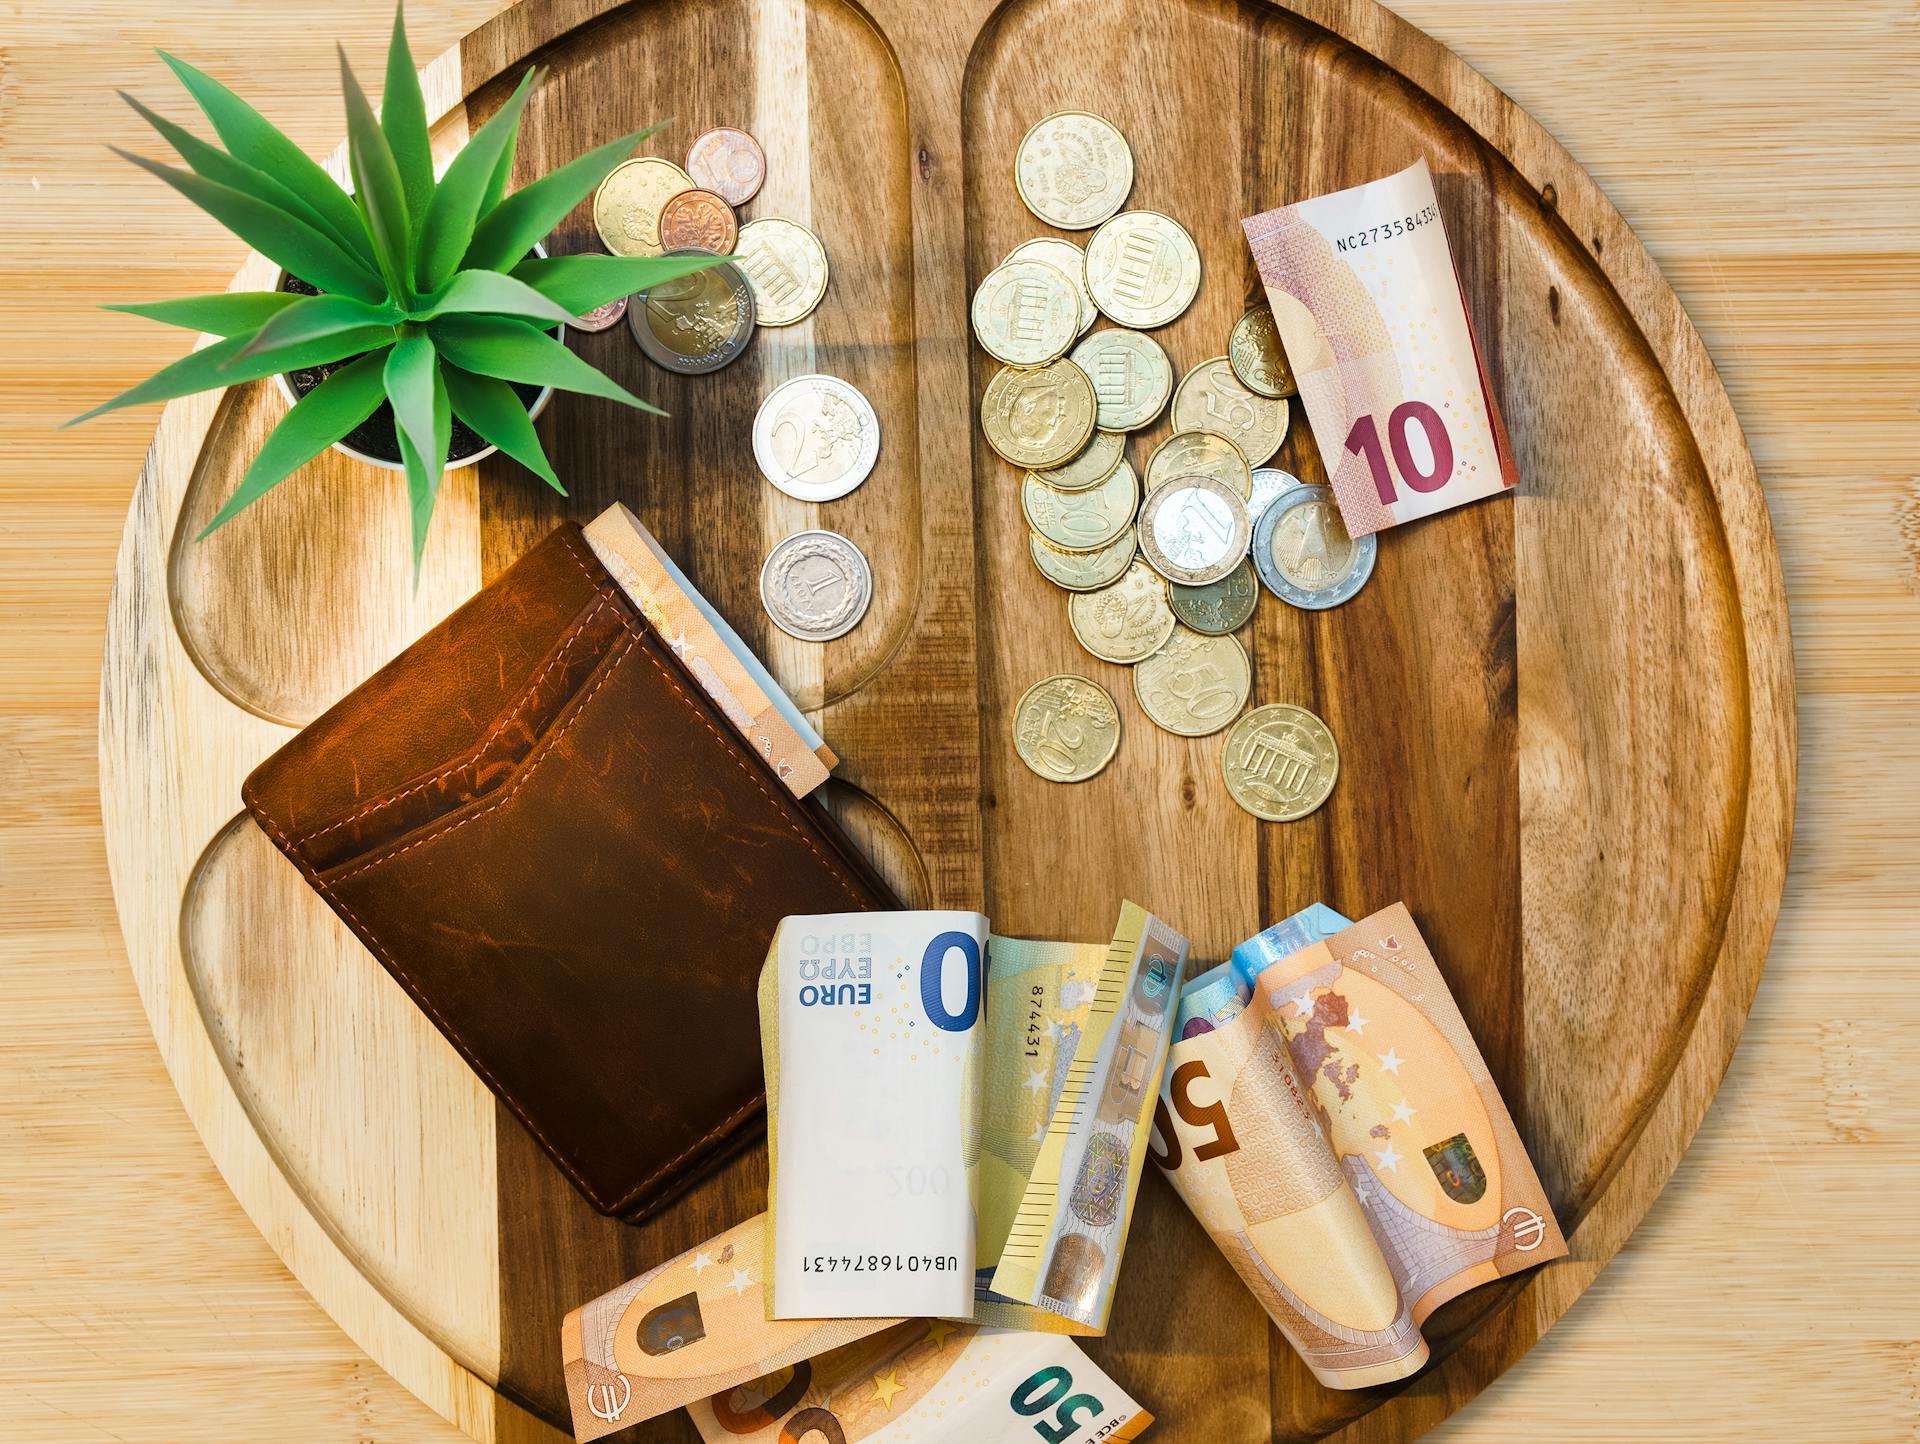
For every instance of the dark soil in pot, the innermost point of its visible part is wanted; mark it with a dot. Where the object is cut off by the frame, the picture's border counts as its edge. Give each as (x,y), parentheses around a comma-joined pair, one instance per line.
(376,435)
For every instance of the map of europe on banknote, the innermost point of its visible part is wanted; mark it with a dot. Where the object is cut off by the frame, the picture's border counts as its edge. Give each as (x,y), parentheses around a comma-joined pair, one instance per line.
(1342,1142)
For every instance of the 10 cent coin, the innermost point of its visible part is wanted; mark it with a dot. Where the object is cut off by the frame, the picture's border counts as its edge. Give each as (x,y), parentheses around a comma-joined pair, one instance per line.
(1268,483)
(1280,762)
(1142,269)
(1066,728)
(816,438)
(1026,313)
(1073,170)
(1218,607)
(1304,553)
(816,585)
(1131,377)
(1255,352)
(787,267)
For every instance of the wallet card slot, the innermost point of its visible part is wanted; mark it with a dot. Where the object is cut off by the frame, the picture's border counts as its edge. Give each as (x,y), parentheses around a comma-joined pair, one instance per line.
(577,655)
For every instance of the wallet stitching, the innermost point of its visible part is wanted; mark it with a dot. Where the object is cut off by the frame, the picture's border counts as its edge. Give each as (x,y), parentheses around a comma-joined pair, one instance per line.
(722,1126)
(527,699)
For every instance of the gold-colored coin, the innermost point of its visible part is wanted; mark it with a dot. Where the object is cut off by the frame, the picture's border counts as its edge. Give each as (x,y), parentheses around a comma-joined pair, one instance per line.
(787,267)
(1096,459)
(1218,607)
(1038,418)
(626,208)
(1194,685)
(1199,453)
(1073,170)
(1142,269)
(1126,621)
(1280,762)
(1257,356)
(1026,313)
(1211,398)
(1086,571)
(1064,256)
(1066,728)
(1131,377)
(1082,520)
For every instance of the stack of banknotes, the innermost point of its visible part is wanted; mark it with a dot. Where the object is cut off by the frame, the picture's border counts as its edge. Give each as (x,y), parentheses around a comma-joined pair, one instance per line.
(958,1123)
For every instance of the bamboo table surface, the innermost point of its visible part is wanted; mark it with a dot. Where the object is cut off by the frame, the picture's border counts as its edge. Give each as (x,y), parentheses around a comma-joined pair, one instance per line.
(1767,157)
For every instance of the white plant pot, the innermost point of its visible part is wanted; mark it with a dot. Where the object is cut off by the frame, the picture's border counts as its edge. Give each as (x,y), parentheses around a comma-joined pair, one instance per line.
(533,411)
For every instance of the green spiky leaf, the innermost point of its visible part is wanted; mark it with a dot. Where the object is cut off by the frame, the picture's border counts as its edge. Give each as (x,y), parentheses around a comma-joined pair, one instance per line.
(516,351)
(316,318)
(496,413)
(504,236)
(318,419)
(251,138)
(492,294)
(579,283)
(403,119)
(424,423)
(230,314)
(284,238)
(376,183)
(502,173)
(218,365)
(449,225)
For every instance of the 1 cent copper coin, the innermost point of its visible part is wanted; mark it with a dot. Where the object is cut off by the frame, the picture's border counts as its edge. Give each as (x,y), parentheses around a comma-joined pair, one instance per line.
(728,162)
(698,219)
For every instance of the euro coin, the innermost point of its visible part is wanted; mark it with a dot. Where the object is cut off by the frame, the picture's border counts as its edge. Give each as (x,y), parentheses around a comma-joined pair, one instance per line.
(626,208)
(1211,398)
(1082,571)
(1026,313)
(1218,607)
(728,162)
(1131,377)
(787,267)
(1126,621)
(816,438)
(1082,520)
(1040,418)
(1066,728)
(1199,453)
(1142,269)
(694,324)
(816,585)
(1193,529)
(1096,459)
(1258,360)
(1193,685)
(1073,170)
(1268,483)
(1279,762)
(1304,553)
(700,219)
(1067,258)
(603,317)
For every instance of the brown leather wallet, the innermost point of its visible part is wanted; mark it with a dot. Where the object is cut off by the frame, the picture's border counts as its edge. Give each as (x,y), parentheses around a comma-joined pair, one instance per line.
(558,846)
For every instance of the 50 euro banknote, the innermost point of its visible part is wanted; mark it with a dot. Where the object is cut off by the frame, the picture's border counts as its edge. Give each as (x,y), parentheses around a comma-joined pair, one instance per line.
(927,1381)
(1341,1140)
(1368,304)
(719,660)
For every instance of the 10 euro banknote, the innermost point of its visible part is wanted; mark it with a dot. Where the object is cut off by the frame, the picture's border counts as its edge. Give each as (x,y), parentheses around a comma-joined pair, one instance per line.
(1368,304)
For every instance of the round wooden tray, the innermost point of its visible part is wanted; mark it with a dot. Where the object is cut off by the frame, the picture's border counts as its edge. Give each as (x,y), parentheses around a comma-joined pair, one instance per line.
(1566,718)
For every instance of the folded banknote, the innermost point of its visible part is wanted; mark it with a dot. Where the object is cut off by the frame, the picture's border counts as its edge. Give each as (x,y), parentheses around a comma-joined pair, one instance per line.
(1368,304)
(1341,1140)
(929,1382)
(724,666)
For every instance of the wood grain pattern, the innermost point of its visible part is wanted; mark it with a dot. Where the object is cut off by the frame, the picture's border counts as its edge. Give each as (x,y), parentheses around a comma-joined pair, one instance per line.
(1495,818)
(1819,1089)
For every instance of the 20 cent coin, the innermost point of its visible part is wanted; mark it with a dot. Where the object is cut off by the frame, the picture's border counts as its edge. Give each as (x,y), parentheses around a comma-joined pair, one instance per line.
(1082,571)
(1086,519)
(1067,258)
(1066,728)
(626,208)
(1038,418)
(1199,453)
(1097,458)
(1073,170)
(787,267)
(1131,377)
(1026,313)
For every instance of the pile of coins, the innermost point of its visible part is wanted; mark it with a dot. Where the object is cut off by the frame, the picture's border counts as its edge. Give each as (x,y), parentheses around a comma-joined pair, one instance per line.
(1156,564)
(816,437)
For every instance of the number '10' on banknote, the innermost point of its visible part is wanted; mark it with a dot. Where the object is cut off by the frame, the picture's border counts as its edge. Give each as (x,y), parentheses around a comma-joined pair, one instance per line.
(1367,301)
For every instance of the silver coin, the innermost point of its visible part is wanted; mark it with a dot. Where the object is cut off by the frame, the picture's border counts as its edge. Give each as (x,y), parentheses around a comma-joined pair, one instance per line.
(1268,483)
(816,438)
(1304,554)
(694,324)
(816,585)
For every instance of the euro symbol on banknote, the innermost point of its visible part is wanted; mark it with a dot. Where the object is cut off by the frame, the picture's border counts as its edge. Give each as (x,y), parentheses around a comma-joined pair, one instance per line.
(611,1410)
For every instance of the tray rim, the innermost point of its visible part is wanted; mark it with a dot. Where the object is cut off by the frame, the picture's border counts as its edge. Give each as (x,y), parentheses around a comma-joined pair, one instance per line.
(1534,1301)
